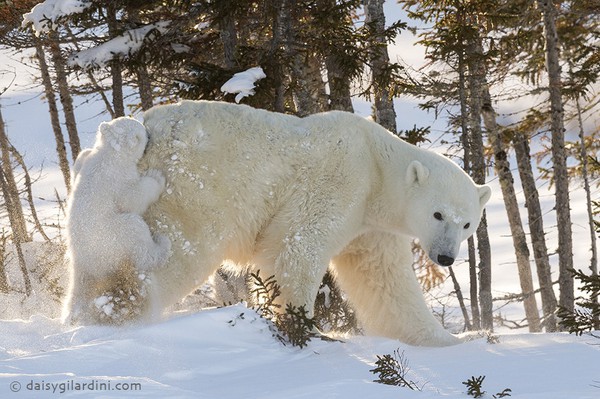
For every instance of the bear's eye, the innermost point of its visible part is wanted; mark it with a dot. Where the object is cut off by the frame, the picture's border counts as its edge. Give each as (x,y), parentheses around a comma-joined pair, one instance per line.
(467,225)
(438,216)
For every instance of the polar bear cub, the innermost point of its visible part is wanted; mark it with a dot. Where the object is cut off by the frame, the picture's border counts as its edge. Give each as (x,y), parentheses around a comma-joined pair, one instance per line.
(107,239)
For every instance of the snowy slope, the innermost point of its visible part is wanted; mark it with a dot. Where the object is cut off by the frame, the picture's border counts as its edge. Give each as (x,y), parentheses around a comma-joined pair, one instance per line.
(218,354)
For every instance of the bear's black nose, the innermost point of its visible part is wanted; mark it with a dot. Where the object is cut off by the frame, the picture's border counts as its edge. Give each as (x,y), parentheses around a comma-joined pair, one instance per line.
(445,260)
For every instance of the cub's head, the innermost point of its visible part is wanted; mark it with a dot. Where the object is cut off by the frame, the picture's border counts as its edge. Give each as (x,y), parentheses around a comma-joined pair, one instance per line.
(125,136)
(445,208)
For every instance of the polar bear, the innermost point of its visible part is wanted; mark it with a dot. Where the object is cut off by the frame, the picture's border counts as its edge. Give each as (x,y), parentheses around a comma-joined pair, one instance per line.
(107,239)
(295,196)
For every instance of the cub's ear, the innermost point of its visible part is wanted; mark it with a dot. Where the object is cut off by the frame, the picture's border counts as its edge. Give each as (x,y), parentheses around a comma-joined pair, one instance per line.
(133,138)
(104,128)
(485,192)
(416,173)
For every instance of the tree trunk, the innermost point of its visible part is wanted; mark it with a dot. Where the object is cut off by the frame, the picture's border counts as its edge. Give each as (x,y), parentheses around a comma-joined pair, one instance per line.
(536,230)
(4,289)
(65,94)
(590,212)
(116,71)
(61,150)
(339,86)
(144,82)
(478,172)
(14,223)
(28,184)
(473,291)
(502,166)
(275,68)
(144,87)
(461,301)
(559,158)
(385,114)
(229,39)
(467,167)
(307,85)
(11,192)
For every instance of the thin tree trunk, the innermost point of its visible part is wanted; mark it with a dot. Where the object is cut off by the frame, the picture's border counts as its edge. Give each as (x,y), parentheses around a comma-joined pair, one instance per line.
(11,193)
(115,65)
(65,94)
(461,301)
(502,166)
(467,167)
(229,38)
(473,290)
(276,68)
(559,158)
(307,84)
(4,289)
(478,172)
(16,238)
(385,114)
(28,184)
(144,87)
(61,150)
(536,230)
(339,86)
(590,212)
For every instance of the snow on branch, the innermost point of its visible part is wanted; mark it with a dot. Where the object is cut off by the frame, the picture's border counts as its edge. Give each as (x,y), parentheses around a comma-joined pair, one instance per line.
(243,83)
(44,15)
(124,46)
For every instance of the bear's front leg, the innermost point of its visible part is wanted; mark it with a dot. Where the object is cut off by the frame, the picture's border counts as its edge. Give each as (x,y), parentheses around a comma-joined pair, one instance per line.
(375,271)
(297,247)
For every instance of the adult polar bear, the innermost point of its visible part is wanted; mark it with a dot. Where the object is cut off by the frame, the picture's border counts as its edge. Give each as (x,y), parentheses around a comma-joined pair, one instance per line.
(293,196)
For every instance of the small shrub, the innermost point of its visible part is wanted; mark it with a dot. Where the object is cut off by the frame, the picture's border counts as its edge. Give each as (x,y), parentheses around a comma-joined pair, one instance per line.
(392,370)
(332,311)
(264,294)
(586,317)
(293,326)
(475,388)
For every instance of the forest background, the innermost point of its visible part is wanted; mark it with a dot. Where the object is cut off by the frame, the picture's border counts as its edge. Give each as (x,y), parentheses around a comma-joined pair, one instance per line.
(508,90)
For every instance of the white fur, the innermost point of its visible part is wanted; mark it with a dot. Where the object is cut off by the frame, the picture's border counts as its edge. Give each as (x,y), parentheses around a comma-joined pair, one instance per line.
(105,230)
(293,196)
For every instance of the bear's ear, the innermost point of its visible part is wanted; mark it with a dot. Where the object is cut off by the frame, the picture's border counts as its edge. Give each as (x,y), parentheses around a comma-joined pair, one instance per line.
(416,173)
(485,192)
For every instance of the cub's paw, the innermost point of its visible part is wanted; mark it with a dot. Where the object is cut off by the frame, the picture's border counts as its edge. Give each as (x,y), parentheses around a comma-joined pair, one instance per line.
(156,175)
(164,243)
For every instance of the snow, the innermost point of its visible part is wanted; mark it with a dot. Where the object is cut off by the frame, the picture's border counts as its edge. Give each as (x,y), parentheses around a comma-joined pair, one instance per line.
(44,15)
(231,353)
(243,83)
(124,46)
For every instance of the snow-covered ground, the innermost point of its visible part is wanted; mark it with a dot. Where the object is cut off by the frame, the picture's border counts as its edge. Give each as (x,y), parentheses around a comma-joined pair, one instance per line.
(231,353)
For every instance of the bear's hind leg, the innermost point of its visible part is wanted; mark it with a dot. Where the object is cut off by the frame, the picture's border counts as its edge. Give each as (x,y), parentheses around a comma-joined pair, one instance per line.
(375,271)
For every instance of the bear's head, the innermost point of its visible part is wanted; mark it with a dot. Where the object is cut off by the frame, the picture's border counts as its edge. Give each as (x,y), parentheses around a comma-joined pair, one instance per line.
(125,136)
(446,206)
